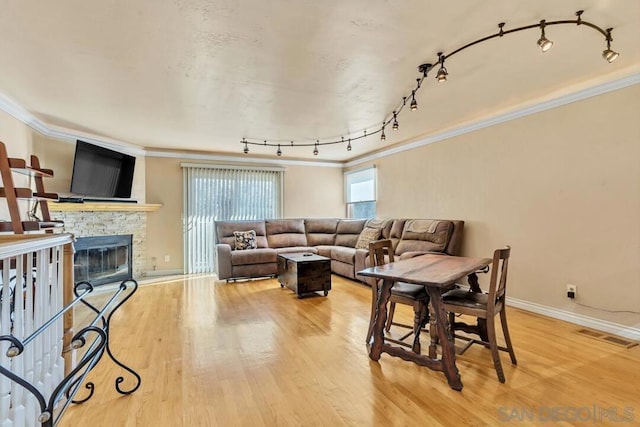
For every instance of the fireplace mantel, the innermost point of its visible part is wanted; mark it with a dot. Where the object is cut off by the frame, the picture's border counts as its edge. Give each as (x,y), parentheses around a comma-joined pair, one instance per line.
(104,207)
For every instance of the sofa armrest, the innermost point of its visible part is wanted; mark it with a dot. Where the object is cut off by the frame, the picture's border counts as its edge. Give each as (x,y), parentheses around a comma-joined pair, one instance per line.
(223,261)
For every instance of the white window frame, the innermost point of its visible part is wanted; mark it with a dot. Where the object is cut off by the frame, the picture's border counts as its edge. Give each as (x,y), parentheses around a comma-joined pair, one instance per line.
(349,202)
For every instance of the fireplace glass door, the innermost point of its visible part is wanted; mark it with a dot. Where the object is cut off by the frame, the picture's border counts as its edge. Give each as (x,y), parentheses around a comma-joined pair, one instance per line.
(102,259)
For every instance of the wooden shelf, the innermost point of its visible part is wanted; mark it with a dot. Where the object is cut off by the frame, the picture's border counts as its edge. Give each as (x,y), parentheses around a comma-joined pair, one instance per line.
(104,207)
(21,193)
(20,166)
(12,194)
(27,194)
(31,225)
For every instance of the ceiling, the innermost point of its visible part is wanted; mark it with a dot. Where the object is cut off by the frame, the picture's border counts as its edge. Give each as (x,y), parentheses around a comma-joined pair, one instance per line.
(200,75)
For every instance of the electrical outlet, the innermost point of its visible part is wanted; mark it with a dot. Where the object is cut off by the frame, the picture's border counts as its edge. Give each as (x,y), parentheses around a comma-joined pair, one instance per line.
(167,258)
(572,291)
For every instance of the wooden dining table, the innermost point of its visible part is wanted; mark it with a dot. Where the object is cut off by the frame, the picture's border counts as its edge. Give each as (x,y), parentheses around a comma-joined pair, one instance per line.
(438,274)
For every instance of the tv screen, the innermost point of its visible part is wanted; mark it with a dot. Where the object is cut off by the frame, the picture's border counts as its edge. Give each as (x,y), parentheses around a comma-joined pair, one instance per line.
(100,172)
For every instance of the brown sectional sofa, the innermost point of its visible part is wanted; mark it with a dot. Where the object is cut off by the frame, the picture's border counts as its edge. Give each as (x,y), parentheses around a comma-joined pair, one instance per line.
(331,237)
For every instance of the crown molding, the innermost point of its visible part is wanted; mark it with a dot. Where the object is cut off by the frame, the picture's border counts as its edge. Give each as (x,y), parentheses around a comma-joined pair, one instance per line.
(241,159)
(71,135)
(513,114)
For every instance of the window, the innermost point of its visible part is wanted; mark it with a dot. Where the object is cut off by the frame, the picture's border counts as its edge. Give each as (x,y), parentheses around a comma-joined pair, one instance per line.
(214,193)
(360,193)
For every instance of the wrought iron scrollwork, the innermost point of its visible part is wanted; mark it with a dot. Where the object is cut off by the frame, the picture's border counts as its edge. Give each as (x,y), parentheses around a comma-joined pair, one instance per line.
(64,393)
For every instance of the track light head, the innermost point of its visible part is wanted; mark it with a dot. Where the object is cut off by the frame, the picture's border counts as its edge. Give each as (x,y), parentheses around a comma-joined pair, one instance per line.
(383,137)
(395,122)
(349,145)
(414,103)
(442,72)
(279,152)
(245,150)
(610,55)
(315,150)
(544,43)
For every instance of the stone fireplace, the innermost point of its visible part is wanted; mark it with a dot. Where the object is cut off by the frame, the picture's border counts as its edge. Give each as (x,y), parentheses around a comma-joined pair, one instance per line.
(109,219)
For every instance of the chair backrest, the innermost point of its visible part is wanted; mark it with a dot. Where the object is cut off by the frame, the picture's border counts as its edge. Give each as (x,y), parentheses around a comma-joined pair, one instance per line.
(378,250)
(499,267)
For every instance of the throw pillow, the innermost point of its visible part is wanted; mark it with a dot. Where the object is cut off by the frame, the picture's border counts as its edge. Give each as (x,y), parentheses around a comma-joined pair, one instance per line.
(367,236)
(245,240)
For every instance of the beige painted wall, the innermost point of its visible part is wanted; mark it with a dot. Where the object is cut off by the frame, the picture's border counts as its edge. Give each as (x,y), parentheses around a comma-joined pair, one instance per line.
(18,140)
(308,192)
(562,187)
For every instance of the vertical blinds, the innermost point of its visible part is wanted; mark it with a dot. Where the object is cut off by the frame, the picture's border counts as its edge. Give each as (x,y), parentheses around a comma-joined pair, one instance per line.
(224,193)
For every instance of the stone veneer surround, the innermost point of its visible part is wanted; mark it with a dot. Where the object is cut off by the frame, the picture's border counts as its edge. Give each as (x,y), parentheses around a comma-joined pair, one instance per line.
(111,223)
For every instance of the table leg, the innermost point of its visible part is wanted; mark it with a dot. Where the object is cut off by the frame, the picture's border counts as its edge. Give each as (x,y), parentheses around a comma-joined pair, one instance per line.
(380,319)
(446,339)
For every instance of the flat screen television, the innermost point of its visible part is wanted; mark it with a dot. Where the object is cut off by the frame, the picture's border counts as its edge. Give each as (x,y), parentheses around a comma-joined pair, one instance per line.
(101,173)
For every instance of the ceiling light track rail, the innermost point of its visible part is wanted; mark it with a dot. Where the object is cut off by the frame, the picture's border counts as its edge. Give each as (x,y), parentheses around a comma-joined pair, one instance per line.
(391,119)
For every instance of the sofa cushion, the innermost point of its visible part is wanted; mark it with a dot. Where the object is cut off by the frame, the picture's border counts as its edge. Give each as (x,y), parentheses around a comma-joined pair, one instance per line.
(348,231)
(255,256)
(424,235)
(225,229)
(342,269)
(383,224)
(283,233)
(395,233)
(324,250)
(321,231)
(343,254)
(367,236)
(245,240)
(297,249)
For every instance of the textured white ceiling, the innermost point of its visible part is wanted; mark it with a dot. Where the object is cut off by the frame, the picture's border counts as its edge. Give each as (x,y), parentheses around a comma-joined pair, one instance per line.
(201,75)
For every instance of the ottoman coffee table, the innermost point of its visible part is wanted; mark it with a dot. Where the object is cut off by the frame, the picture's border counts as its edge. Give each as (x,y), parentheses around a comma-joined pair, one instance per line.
(304,273)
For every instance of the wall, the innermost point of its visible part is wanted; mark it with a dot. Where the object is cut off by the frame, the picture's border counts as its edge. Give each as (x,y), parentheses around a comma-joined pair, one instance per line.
(18,140)
(308,192)
(562,187)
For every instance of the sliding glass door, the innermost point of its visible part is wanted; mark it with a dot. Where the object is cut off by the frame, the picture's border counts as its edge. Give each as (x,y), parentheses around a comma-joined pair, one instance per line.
(217,192)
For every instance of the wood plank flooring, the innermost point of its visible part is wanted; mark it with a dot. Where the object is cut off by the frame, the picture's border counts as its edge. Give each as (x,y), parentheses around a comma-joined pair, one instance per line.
(252,354)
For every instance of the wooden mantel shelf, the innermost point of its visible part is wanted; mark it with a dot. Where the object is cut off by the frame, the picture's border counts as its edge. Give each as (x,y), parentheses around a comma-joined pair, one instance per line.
(104,207)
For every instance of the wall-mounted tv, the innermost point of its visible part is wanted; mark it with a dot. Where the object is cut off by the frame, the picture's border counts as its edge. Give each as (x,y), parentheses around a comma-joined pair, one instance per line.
(100,172)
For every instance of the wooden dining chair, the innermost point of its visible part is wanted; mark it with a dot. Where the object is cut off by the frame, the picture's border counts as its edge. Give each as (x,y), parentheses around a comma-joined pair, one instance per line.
(484,306)
(380,253)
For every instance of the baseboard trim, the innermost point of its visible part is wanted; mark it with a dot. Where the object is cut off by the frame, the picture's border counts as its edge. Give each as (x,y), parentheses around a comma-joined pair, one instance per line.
(578,319)
(155,273)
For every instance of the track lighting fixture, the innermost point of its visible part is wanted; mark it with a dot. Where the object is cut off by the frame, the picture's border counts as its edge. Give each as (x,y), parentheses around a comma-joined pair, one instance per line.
(544,43)
(609,54)
(442,72)
(441,76)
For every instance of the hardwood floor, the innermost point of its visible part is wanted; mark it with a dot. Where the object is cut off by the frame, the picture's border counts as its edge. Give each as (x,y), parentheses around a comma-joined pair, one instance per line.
(252,354)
